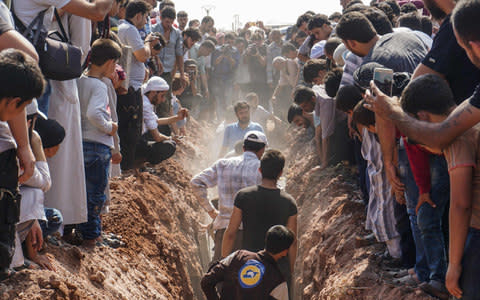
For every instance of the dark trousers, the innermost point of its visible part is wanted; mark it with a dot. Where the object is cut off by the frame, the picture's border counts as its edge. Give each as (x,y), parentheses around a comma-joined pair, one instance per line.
(130,118)
(402,219)
(217,255)
(362,169)
(340,145)
(153,152)
(9,206)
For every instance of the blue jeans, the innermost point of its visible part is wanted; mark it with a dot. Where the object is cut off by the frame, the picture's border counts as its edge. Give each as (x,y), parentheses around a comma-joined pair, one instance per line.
(429,219)
(43,101)
(53,222)
(408,240)
(469,281)
(97,161)
(411,197)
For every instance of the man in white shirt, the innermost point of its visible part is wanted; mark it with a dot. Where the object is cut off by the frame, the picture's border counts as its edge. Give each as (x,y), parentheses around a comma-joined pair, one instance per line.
(154,93)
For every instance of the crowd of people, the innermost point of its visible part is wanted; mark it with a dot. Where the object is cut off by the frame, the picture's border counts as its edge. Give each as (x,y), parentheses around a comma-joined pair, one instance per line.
(145,70)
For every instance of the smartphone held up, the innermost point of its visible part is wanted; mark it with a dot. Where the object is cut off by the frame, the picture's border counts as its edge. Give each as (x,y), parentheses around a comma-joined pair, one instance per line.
(383,79)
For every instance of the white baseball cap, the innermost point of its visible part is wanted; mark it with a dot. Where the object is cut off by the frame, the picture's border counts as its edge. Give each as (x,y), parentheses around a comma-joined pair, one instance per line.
(32,108)
(155,84)
(256,137)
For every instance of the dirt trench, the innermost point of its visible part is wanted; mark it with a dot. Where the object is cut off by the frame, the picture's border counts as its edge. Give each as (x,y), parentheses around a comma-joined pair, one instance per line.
(165,254)
(158,218)
(329,264)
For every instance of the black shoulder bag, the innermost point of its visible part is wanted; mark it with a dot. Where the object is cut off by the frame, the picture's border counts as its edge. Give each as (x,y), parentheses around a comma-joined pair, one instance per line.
(58,58)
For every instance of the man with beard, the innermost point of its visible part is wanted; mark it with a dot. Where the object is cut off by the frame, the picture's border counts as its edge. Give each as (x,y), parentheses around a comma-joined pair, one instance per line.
(446,58)
(236,131)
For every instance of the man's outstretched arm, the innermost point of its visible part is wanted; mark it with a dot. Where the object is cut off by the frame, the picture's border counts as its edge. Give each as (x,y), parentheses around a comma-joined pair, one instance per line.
(435,135)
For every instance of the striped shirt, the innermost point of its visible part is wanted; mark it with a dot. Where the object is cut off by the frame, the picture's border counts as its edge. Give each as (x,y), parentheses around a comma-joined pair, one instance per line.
(229,175)
(380,213)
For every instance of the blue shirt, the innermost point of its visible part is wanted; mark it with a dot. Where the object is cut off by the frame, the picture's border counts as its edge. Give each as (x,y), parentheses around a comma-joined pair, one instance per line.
(234,133)
(224,70)
(174,47)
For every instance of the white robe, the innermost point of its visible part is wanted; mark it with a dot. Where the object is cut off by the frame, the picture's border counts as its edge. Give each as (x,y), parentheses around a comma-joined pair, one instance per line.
(68,192)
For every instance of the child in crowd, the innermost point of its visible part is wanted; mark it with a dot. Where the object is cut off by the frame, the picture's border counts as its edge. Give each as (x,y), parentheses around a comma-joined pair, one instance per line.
(429,98)
(380,213)
(52,135)
(98,130)
(36,221)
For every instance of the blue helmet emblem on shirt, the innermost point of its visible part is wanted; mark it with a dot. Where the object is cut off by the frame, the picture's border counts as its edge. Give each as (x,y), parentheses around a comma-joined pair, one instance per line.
(251,274)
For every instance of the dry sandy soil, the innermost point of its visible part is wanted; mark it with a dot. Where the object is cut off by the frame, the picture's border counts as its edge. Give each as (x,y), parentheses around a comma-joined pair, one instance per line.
(331,214)
(158,218)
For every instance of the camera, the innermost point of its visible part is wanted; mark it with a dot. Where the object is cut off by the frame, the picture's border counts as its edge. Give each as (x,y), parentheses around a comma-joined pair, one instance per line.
(225,49)
(252,49)
(161,41)
(157,47)
(191,74)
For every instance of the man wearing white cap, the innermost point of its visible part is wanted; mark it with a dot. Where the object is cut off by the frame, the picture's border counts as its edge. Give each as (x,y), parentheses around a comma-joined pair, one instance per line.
(154,93)
(230,175)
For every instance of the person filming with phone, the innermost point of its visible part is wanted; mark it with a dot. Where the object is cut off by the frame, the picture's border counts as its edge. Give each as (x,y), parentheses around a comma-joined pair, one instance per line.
(402,52)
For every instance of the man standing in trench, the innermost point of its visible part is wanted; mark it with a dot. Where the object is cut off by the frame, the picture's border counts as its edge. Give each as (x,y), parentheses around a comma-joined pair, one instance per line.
(230,175)
(259,208)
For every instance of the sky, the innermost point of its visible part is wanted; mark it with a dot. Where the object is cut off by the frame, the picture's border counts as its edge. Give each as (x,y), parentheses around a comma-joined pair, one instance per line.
(270,11)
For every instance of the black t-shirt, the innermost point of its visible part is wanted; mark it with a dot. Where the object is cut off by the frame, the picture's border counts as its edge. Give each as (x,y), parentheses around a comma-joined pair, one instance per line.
(261,209)
(448,58)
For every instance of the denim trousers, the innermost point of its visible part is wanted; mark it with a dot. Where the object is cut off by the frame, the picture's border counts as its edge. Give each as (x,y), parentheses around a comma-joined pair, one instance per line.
(53,222)
(470,278)
(429,219)
(97,161)
(410,254)
(430,256)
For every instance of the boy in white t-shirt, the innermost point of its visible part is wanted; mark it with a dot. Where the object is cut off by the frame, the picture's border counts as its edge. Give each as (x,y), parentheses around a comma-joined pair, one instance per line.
(97,132)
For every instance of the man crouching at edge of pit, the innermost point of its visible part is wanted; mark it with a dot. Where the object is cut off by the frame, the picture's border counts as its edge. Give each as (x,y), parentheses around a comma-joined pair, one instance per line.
(249,275)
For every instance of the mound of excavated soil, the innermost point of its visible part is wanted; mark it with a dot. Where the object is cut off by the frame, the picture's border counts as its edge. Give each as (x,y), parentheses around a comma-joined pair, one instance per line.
(158,218)
(331,214)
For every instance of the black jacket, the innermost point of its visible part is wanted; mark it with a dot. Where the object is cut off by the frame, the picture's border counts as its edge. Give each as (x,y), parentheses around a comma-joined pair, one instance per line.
(246,276)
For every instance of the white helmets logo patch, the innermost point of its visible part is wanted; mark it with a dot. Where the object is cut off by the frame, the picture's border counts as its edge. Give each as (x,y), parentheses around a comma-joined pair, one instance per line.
(251,274)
